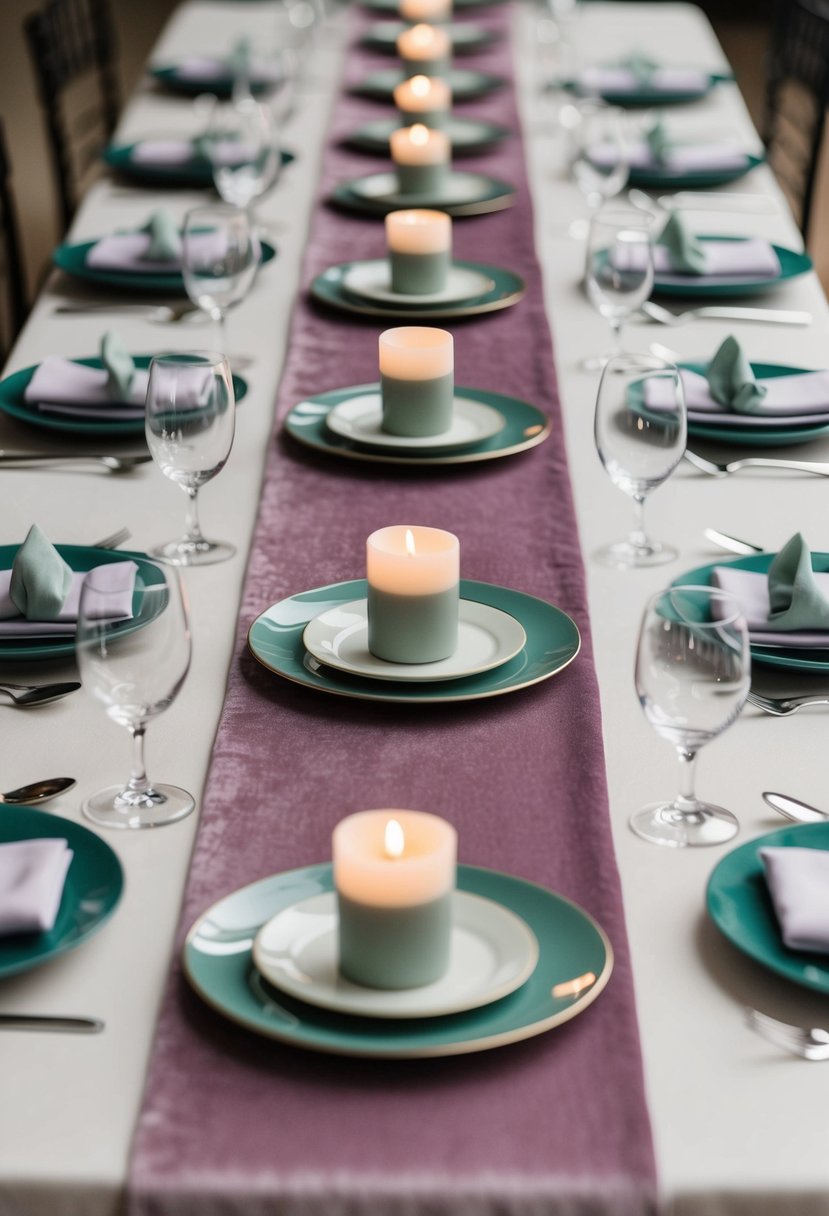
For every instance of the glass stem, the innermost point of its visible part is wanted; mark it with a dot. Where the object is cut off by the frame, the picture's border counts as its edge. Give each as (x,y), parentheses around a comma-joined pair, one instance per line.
(138,783)
(638,537)
(192,527)
(616,335)
(687,798)
(221,322)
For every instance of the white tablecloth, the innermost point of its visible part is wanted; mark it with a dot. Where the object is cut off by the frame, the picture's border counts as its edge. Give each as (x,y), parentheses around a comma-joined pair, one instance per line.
(739,1127)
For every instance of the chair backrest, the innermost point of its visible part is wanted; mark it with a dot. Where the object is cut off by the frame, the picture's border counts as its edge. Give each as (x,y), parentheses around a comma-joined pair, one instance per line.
(797,94)
(14,305)
(72,44)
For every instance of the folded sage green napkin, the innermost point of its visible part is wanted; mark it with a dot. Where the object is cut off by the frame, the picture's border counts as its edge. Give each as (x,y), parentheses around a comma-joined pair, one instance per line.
(732,381)
(658,141)
(641,65)
(794,599)
(119,364)
(165,240)
(685,250)
(40,578)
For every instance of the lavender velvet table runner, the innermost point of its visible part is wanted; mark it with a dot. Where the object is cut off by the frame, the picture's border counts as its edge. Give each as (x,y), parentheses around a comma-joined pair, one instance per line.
(232,1123)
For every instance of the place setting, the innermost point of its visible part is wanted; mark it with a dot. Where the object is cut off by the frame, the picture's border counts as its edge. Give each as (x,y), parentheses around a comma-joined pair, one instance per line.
(426,50)
(412,630)
(416,415)
(167,162)
(395,950)
(428,100)
(686,264)
(239,70)
(151,258)
(639,80)
(418,279)
(423,177)
(658,159)
(95,395)
(732,400)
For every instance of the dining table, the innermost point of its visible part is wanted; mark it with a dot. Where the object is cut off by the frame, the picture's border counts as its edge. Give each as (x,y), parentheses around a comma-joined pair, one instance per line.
(657,1096)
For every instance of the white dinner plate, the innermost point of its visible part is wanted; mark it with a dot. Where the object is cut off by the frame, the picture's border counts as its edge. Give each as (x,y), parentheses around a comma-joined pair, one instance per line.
(492,952)
(458,188)
(360,420)
(487,637)
(372,281)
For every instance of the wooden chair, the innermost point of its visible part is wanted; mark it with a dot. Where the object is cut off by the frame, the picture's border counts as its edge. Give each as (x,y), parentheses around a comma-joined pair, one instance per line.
(797,94)
(14,304)
(72,46)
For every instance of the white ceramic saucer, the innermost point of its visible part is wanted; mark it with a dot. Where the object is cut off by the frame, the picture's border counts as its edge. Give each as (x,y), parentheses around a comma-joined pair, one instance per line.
(492,953)
(459,187)
(487,638)
(360,420)
(372,281)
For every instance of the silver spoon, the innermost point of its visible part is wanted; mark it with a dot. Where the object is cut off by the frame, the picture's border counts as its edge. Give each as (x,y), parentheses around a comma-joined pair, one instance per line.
(45,1021)
(24,695)
(37,792)
(32,460)
(793,808)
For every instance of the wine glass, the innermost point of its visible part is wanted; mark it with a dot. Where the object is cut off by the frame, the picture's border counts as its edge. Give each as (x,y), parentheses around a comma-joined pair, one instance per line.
(618,269)
(599,155)
(220,257)
(242,143)
(134,668)
(189,422)
(640,430)
(693,673)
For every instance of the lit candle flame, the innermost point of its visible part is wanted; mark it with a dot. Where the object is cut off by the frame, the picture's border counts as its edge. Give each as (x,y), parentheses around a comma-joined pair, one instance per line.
(422,34)
(420,85)
(410,546)
(394,842)
(419,133)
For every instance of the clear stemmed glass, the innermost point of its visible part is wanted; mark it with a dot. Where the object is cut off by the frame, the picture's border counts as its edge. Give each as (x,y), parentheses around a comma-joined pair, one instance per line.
(243,144)
(640,430)
(190,420)
(618,268)
(220,257)
(599,155)
(693,672)
(135,669)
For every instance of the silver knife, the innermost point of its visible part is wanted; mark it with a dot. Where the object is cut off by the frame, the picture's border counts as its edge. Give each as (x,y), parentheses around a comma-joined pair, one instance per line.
(42,1021)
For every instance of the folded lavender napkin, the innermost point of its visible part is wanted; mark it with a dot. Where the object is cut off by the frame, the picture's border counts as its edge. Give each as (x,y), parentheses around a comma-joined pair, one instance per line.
(798,882)
(115,579)
(32,878)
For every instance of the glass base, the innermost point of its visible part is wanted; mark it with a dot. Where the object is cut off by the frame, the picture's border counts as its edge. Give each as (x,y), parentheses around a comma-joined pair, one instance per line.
(694,825)
(193,553)
(161,805)
(624,555)
(622,362)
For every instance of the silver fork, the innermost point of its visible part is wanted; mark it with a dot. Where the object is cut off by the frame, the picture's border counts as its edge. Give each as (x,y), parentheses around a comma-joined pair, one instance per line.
(779,316)
(713,469)
(112,541)
(808,1043)
(163,314)
(782,706)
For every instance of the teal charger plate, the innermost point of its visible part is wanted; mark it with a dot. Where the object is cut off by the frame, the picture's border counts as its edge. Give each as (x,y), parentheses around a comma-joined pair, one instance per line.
(507,289)
(466,39)
(654,97)
(553,641)
(792,264)
(78,557)
(800,659)
(740,906)
(196,172)
(191,86)
(93,888)
(753,437)
(525,427)
(71,259)
(466,84)
(466,194)
(12,403)
(656,178)
(468,136)
(574,966)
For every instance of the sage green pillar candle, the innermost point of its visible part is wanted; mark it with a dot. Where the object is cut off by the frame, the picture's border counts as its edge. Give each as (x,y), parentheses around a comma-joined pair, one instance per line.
(413,597)
(420,250)
(423,99)
(421,158)
(394,873)
(425,50)
(417,380)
